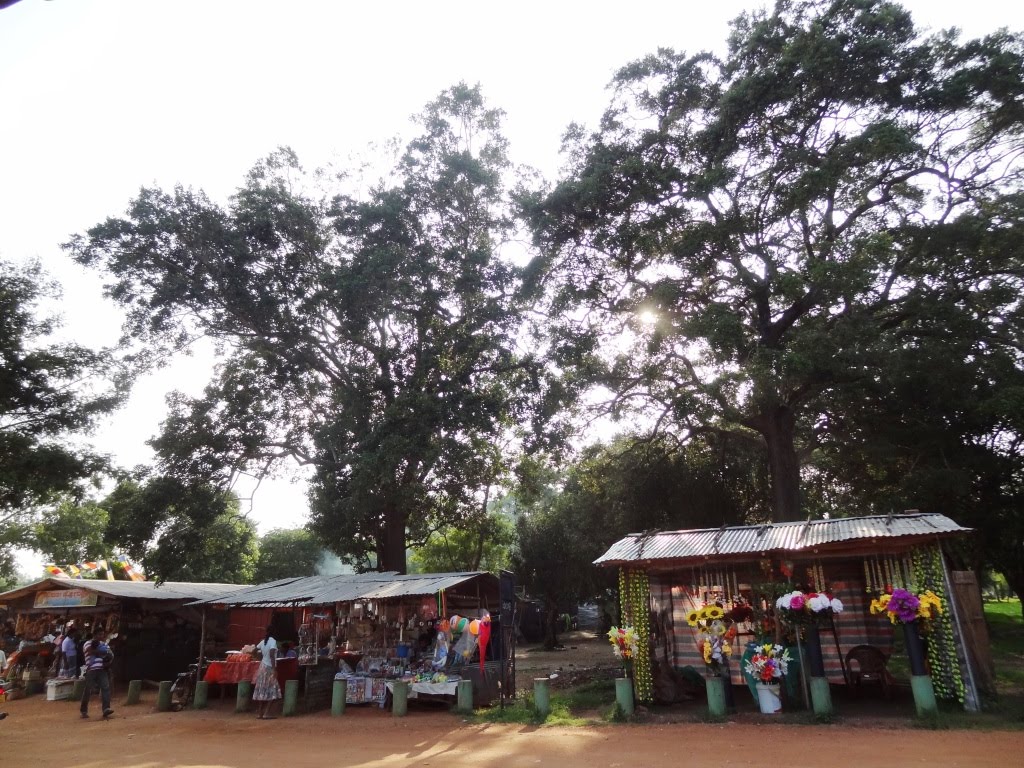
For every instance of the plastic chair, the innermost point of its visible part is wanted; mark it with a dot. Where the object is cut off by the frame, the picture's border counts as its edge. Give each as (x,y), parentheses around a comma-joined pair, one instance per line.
(866,664)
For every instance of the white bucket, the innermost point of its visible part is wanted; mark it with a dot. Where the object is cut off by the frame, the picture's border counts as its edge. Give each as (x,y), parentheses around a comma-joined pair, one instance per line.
(768,698)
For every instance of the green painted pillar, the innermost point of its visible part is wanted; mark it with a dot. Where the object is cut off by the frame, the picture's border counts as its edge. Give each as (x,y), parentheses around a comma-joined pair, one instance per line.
(291,697)
(924,695)
(79,690)
(400,698)
(202,691)
(338,696)
(163,699)
(134,691)
(624,695)
(821,696)
(716,696)
(542,695)
(244,696)
(464,696)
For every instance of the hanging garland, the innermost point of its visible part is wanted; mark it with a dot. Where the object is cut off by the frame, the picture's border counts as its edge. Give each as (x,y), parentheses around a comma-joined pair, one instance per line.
(942,654)
(634,602)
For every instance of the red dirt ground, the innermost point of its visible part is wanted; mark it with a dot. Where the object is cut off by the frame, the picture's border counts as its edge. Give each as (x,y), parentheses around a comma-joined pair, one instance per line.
(40,733)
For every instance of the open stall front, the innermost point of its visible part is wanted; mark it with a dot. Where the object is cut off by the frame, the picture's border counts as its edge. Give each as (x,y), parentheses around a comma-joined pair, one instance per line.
(152,632)
(671,575)
(373,629)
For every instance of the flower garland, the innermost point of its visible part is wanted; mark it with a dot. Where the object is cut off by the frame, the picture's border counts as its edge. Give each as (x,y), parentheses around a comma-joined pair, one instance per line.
(947,678)
(634,602)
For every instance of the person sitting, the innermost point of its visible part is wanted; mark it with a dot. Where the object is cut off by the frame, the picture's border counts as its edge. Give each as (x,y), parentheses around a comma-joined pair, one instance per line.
(289,651)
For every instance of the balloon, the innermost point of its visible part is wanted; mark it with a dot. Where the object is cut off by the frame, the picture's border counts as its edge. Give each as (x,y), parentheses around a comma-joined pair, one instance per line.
(454,621)
(463,623)
(474,627)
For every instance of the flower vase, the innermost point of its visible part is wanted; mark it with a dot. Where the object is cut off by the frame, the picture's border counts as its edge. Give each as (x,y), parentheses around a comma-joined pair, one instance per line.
(769,698)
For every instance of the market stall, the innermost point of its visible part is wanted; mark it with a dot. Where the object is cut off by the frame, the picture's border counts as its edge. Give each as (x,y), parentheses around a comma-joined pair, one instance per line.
(152,632)
(668,578)
(372,629)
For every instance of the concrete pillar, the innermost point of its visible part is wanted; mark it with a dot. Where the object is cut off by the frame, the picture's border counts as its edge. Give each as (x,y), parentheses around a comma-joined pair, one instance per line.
(134,691)
(163,699)
(716,696)
(542,695)
(400,698)
(244,696)
(338,696)
(821,697)
(464,696)
(202,691)
(924,695)
(291,697)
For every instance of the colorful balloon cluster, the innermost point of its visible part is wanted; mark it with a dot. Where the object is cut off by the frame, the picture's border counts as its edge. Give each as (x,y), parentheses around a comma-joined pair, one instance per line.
(459,624)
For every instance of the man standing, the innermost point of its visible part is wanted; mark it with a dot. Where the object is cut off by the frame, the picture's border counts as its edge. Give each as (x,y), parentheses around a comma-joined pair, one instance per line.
(69,654)
(97,661)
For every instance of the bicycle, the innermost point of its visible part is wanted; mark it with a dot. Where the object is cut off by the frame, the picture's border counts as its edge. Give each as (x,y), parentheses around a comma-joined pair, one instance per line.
(183,690)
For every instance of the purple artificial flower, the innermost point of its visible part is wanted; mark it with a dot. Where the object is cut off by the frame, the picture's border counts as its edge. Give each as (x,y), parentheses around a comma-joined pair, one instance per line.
(797,602)
(904,604)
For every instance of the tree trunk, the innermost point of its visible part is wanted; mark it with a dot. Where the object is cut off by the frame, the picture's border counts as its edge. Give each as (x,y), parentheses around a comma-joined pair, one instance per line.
(1015,580)
(393,547)
(778,428)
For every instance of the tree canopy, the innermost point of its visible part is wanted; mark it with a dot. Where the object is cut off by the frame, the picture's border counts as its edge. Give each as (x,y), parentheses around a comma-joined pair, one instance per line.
(49,392)
(285,553)
(371,334)
(748,245)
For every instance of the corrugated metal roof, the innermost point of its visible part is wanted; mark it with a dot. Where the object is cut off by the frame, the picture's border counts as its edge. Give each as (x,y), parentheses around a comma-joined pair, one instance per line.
(323,590)
(147,590)
(772,537)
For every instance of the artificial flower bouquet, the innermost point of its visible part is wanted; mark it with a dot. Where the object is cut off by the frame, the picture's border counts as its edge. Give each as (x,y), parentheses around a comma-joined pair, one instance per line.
(714,632)
(769,663)
(901,606)
(806,607)
(625,643)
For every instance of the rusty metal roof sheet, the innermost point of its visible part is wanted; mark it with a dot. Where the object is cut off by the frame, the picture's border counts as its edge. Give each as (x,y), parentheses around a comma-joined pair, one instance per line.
(143,590)
(772,537)
(324,590)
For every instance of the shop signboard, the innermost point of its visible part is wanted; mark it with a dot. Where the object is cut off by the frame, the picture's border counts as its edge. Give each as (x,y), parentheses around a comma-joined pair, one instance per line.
(65,598)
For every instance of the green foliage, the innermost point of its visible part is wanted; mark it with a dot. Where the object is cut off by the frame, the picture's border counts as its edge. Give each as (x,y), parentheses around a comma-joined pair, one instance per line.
(48,392)
(768,243)
(476,545)
(373,332)
(73,533)
(182,532)
(287,553)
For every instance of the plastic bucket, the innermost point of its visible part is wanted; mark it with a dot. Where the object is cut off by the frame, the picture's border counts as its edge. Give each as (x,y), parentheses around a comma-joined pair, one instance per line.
(768,698)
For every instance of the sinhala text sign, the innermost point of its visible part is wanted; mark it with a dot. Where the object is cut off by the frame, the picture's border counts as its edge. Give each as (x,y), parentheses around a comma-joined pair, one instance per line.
(65,598)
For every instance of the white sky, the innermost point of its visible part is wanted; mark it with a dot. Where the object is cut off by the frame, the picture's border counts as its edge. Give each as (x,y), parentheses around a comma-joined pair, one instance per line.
(100,97)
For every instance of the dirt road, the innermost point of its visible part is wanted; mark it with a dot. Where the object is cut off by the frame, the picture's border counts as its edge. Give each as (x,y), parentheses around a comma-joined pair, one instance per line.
(39,733)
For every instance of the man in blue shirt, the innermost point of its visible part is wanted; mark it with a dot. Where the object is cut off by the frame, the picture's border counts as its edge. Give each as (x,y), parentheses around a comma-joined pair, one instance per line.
(97,658)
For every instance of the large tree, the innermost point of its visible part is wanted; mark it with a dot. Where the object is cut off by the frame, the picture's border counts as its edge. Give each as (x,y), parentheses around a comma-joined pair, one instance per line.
(287,552)
(746,241)
(372,334)
(181,531)
(49,392)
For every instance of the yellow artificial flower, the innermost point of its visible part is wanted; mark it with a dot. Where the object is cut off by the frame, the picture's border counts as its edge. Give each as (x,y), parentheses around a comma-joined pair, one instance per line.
(713,612)
(692,618)
(727,649)
(707,651)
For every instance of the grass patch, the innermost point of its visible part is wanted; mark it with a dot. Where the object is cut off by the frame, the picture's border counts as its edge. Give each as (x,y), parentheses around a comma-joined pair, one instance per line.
(564,709)
(1006,634)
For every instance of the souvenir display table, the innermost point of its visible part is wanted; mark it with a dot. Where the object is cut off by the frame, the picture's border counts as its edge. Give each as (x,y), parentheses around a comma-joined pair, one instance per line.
(428,689)
(238,667)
